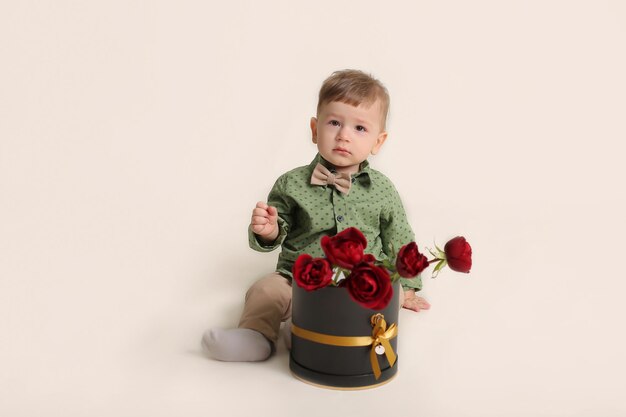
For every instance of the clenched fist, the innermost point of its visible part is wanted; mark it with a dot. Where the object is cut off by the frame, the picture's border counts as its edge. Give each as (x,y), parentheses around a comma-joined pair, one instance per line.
(265,222)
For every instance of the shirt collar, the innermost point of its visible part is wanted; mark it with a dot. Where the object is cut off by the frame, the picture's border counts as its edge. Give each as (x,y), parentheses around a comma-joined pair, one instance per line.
(363,175)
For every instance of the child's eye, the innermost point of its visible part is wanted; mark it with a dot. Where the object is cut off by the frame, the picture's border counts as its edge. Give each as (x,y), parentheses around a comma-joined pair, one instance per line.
(361,128)
(334,123)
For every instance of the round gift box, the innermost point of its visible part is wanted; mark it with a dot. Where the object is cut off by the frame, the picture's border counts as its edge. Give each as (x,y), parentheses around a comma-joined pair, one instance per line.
(331,311)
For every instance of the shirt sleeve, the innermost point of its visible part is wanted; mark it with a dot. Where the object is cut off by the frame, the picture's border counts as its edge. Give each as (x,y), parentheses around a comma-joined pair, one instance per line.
(396,232)
(279,198)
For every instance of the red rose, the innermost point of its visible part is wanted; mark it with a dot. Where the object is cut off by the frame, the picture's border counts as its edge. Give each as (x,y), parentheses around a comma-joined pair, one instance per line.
(310,273)
(370,286)
(368,258)
(345,249)
(458,254)
(410,261)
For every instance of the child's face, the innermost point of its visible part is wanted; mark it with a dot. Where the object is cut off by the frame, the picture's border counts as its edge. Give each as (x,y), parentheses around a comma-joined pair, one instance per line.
(346,135)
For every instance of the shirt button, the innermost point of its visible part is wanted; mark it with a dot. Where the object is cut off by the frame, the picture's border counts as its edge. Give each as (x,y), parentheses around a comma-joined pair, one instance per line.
(340,218)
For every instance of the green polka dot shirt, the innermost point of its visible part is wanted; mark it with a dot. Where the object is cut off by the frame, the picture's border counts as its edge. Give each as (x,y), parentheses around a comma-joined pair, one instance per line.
(307,212)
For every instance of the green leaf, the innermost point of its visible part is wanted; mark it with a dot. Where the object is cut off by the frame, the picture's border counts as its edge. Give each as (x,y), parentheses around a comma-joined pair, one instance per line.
(442,254)
(388,265)
(338,272)
(438,268)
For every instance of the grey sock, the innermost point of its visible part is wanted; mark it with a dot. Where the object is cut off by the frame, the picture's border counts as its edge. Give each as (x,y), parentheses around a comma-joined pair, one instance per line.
(236,345)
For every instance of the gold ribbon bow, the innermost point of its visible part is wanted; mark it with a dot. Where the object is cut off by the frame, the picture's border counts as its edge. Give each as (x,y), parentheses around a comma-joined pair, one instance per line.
(380,337)
(322,176)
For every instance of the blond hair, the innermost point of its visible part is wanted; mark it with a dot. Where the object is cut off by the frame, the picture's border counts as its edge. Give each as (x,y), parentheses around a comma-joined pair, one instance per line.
(354,87)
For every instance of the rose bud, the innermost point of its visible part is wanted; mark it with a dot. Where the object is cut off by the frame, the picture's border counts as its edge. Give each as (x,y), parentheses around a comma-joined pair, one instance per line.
(410,261)
(458,254)
(345,249)
(312,273)
(370,286)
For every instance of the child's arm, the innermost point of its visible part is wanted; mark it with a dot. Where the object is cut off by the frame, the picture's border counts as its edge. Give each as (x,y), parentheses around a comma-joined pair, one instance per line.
(413,302)
(270,221)
(265,222)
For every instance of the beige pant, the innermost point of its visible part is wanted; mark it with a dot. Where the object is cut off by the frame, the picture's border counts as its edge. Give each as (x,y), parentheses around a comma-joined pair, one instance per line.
(268,303)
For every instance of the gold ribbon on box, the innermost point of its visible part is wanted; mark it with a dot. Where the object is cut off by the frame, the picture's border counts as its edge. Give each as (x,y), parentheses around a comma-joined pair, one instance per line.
(380,337)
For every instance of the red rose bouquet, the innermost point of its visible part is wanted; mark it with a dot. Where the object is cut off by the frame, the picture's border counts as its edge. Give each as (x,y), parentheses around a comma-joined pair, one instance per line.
(368,280)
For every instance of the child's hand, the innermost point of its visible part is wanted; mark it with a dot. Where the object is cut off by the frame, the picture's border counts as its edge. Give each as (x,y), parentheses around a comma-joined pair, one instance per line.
(413,302)
(265,221)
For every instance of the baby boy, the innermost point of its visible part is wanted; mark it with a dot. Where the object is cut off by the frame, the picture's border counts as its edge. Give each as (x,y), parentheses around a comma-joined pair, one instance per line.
(336,191)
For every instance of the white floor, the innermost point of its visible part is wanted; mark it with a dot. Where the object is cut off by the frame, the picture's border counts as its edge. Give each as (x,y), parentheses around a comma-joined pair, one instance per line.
(508,339)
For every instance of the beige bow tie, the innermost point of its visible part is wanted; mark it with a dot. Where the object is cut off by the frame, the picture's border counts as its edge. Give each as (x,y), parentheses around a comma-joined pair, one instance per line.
(322,176)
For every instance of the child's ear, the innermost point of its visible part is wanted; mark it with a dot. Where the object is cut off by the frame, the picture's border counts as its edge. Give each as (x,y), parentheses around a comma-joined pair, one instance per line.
(314,129)
(382,137)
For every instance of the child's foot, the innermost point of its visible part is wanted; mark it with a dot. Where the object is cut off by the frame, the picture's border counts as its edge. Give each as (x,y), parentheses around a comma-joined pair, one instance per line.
(236,345)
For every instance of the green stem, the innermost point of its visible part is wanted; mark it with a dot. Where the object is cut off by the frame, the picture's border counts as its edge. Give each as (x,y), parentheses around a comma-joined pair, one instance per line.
(434,260)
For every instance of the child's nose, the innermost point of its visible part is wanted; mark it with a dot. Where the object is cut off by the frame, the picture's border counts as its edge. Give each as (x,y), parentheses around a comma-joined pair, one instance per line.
(344,134)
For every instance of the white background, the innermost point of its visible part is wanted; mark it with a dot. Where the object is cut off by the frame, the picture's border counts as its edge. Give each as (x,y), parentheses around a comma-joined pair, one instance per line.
(136,137)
